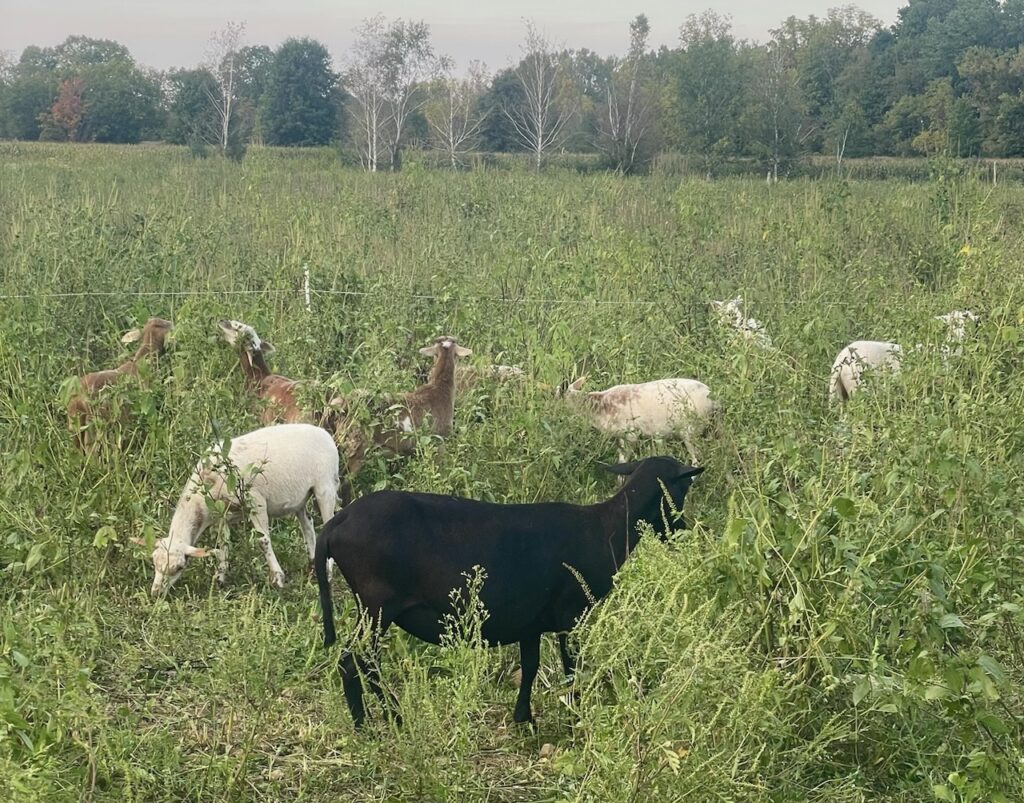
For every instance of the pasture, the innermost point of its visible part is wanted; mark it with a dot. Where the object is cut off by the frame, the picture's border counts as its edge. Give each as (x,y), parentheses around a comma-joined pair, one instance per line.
(842,622)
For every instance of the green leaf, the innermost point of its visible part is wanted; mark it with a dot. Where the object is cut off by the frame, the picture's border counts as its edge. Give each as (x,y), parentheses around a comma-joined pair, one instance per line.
(950,620)
(35,554)
(936,692)
(846,508)
(861,690)
(994,724)
(992,668)
(943,792)
(104,535)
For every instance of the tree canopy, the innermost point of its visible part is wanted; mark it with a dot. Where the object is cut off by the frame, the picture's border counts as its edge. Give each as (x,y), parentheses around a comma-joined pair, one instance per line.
(946,76)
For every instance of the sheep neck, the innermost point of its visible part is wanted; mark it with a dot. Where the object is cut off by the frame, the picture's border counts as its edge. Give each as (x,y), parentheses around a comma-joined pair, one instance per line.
(254,366)
(634,503)
(191,516)
(442,372)
(439,389)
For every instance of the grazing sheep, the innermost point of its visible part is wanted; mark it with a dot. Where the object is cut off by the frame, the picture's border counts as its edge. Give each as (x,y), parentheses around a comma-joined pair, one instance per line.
(956,330)
(469,376)
(267,474)
(660,409)
(409,557)
(432,402)
(279,392)
(82,408)
(730,314)
(849,364)
(282,397)
(956,324)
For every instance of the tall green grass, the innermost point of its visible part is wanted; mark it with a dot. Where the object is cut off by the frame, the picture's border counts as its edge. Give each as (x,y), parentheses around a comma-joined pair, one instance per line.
(842,622)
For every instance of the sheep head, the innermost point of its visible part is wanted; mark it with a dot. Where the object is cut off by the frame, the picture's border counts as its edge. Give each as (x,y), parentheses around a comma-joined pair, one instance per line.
(442,344)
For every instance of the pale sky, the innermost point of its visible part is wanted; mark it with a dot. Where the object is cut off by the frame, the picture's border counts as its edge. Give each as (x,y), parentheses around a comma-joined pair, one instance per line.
(166,33)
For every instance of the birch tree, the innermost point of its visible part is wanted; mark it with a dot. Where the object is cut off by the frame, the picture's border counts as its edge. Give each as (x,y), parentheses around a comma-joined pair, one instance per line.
(454,112)
(407,63)
(539,119)
(222,62)
(628,107)
(364,82)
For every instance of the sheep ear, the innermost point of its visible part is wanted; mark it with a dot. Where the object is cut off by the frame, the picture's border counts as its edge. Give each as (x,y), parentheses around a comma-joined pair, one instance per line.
(462,351)
(267,347)
(691,471)
(429,351)
(196,552)
(131,336)
(578,384)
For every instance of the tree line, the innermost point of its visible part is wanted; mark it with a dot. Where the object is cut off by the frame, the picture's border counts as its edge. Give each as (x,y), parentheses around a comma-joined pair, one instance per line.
(947,77)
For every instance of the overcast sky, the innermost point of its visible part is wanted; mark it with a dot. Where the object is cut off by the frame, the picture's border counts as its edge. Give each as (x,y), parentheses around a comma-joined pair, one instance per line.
(166,33)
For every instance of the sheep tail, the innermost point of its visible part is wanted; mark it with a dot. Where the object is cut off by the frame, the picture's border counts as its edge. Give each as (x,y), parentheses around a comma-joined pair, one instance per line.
(323,582)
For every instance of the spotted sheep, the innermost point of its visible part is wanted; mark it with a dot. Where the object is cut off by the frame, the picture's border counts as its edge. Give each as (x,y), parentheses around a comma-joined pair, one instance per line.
(664,408)
(467,377)
(853,360)
(730,314)
(266,474)
(84,406)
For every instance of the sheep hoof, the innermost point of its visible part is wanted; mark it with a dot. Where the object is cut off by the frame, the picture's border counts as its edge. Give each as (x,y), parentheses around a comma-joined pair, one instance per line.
(277,580)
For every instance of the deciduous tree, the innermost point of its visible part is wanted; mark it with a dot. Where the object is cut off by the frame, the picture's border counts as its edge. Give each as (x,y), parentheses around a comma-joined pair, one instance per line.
(300,105)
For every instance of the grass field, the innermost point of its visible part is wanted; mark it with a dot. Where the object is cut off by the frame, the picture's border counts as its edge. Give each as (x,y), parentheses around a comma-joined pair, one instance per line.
(842,623)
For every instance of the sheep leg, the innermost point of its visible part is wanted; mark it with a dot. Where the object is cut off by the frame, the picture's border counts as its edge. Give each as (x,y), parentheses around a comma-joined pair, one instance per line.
(353,667)
(623,458)
(308,533)
(529,660)
(326,502)
(261,523)
(222,563)
(691,450)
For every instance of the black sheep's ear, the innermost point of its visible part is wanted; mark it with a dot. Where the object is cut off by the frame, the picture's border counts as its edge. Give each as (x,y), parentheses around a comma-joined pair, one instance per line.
(690,471)
(622,469)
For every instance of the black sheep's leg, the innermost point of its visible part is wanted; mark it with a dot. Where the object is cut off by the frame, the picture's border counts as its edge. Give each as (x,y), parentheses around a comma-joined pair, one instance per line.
(353,685)
(354,666)
(529,659)
(568,657)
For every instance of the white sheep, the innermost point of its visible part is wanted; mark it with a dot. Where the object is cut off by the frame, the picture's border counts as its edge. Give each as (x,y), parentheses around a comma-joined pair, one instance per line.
(956,330)
(663,408)
(269,473)
(730,314)
(848,366)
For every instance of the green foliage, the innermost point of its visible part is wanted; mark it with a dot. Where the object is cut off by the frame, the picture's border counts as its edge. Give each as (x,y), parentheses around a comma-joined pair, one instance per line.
(191,116)
(300,103)
(842,621)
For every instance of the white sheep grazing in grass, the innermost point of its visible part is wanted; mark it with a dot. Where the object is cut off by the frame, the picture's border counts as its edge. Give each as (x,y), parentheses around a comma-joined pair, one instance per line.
(269,473)
(956,330)
(850,363)
(730,314)
(663,408)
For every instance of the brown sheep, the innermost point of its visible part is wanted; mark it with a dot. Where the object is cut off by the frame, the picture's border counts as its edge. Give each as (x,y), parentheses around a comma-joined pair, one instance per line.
(82,407)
